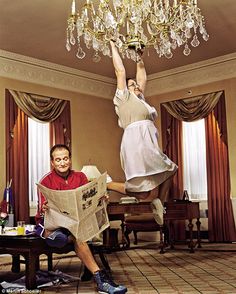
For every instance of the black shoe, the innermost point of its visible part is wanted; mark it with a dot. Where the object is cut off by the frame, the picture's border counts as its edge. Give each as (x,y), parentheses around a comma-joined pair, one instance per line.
(87,275)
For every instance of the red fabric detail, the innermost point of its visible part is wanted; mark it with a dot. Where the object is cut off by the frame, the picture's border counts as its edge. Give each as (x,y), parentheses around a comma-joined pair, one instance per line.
(55,182)
(3,206)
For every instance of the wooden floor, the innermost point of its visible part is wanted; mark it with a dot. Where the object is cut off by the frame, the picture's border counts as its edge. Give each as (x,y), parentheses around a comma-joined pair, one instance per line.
(210,270)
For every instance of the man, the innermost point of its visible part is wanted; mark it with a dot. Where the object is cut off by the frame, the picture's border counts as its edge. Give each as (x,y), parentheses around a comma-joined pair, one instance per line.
(63,178)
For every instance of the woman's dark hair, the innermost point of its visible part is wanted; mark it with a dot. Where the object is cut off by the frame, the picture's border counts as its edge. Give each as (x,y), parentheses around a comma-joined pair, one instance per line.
(127,79)
(59,147)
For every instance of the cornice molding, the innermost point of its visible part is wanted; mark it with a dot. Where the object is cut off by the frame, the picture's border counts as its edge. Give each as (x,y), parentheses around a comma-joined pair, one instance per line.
(24,68)
(192,75)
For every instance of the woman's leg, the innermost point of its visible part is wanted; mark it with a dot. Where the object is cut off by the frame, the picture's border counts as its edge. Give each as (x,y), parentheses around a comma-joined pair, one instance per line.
(164,189)
(144,196)
(157,196)
(156,204)
(148,196)
(117,187)
(120,188)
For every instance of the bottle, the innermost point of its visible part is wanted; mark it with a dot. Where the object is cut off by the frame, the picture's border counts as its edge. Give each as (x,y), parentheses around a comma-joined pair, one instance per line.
(7,199)
(185,195)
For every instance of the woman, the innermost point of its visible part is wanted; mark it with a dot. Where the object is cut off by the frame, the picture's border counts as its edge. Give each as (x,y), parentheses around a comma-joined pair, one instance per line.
(148,170)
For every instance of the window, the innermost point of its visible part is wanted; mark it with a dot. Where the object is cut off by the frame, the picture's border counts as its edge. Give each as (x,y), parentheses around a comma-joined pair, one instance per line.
(194,154)
(38,155)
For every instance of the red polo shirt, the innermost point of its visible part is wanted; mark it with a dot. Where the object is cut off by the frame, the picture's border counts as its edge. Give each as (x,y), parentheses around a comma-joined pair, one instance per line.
(55,182)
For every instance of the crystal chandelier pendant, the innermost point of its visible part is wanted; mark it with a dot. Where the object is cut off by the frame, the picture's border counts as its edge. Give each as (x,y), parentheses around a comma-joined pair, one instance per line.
(96,57)
(195,42)
(187,50)
(68,46)
(205,37)
(80,53)
(134,26)
(169,55)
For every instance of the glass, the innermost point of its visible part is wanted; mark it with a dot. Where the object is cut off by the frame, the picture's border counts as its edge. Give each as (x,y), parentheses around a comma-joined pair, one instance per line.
(21,228)
(29,228)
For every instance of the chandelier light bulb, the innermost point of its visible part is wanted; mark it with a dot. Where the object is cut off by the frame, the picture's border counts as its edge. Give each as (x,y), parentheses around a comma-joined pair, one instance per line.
(135,25)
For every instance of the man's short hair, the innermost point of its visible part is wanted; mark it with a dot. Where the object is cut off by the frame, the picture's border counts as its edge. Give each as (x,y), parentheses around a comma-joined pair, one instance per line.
(59,147)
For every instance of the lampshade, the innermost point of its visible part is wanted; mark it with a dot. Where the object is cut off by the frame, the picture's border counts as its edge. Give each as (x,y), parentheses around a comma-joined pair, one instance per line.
(91,172)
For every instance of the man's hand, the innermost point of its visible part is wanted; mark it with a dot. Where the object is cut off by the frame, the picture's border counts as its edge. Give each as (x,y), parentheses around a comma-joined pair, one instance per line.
(46,233)
(105,198)
(45,206)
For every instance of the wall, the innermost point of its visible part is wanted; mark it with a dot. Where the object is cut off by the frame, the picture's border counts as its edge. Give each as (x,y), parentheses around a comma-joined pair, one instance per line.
(95,135)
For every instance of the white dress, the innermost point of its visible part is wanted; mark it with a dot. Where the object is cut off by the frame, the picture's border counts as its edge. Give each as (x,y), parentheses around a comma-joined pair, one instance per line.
(142,160)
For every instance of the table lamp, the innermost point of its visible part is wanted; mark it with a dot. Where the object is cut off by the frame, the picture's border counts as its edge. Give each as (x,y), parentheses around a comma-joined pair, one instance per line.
(91,172)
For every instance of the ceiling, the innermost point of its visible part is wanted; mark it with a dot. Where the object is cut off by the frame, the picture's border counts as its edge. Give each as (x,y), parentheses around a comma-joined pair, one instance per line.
(36,28)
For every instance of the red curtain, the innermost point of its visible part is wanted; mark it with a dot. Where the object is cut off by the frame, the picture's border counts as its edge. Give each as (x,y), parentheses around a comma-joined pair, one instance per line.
(172,147)
(60,128)
(17,157)
(17,151)
(221,224)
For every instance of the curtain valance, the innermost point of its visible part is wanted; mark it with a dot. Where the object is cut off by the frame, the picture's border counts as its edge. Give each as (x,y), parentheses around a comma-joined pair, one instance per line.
(43,109)
(195,108)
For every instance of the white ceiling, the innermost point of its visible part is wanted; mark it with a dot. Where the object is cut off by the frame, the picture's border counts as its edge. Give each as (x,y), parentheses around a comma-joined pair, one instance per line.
(36,28)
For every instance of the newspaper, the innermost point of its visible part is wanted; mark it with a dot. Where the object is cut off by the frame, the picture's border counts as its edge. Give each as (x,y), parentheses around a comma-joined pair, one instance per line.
(82,211)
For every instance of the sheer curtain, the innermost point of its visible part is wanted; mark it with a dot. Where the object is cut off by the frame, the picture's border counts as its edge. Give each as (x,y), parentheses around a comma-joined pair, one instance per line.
(194,154)
(38,155)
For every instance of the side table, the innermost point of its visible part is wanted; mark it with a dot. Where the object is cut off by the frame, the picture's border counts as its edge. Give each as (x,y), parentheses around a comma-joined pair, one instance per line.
(175,210)
(183,210)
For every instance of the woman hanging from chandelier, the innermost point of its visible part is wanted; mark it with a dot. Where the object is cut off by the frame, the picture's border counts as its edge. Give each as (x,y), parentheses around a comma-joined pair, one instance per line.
(148,171)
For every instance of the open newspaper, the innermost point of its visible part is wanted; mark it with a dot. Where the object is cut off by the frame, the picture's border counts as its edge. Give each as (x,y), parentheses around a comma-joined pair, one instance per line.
(82,211)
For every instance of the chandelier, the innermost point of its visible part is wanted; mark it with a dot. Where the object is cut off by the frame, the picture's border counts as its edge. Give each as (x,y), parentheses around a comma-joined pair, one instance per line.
(134,25)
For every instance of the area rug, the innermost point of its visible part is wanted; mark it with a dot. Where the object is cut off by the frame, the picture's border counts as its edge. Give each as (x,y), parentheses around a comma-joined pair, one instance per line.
(210,270)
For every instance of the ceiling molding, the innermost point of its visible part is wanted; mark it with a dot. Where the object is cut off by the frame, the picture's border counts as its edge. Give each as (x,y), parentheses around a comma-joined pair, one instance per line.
(45,73)
(27,69)
(192,75)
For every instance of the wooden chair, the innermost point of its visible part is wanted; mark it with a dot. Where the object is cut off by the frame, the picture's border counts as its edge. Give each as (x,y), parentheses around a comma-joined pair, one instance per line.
(143,222)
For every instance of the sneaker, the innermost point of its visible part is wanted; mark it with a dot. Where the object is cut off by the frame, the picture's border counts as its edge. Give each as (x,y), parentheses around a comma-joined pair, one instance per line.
(158,210)
(106,285)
